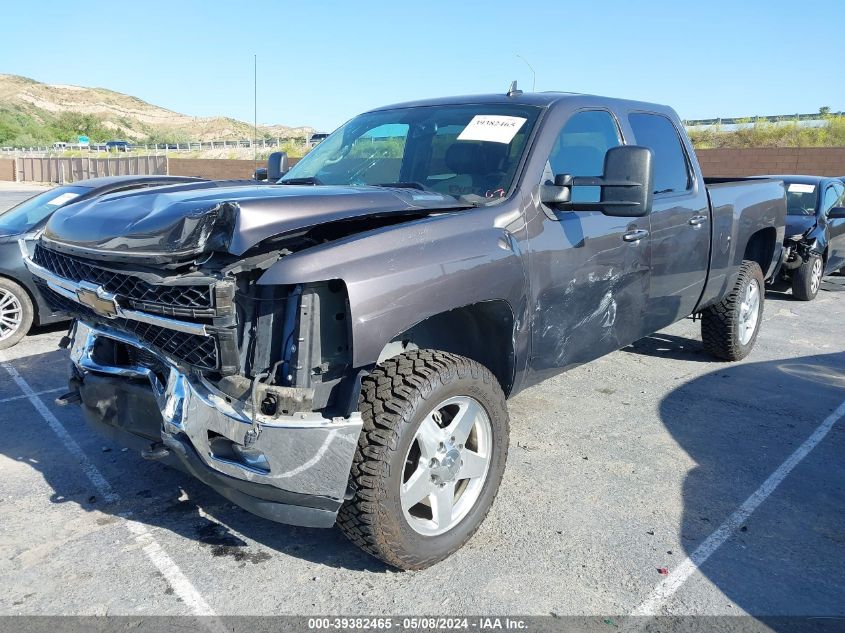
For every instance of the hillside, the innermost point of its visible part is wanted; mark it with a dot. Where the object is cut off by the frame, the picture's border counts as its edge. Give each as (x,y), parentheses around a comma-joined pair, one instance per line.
(33,113)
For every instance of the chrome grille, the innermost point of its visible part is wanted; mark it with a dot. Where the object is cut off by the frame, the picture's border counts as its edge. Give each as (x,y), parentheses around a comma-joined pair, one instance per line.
(186,301)
(193,349)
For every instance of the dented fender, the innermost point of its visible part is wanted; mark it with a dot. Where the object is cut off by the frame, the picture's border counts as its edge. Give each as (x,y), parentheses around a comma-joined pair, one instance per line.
(398,276)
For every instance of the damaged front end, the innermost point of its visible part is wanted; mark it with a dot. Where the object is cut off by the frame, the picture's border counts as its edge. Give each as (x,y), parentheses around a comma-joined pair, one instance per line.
(798,249)
(246,386)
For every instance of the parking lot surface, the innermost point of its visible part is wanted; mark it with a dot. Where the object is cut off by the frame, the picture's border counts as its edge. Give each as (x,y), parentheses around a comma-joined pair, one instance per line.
(617,471)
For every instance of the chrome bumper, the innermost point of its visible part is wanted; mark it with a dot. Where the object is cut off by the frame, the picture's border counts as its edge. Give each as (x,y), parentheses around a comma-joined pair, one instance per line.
(303,453)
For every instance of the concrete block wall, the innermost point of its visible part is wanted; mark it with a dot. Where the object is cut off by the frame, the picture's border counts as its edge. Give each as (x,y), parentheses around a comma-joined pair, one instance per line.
(821,161)
(817,161)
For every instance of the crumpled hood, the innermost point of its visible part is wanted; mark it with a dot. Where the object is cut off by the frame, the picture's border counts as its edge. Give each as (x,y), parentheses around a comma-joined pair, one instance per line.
(178,222)
(799,224)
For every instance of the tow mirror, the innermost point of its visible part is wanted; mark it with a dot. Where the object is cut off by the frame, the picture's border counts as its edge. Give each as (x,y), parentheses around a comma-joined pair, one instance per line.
(836,213)
(277,166)
(626,186)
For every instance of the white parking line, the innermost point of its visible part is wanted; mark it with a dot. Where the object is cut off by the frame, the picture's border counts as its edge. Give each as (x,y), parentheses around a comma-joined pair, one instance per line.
(37,393)
(100,483)
(162,561)
(670,585)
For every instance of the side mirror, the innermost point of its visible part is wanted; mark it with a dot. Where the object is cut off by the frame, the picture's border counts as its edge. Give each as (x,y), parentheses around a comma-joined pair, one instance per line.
(836,213)
(277,165)
(626,186)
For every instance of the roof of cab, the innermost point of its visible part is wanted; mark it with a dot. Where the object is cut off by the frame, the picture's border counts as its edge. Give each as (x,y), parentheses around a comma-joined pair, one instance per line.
(537,99)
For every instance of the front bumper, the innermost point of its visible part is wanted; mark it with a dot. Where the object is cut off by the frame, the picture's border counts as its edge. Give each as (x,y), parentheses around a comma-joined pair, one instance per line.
(799,249)
(296,470)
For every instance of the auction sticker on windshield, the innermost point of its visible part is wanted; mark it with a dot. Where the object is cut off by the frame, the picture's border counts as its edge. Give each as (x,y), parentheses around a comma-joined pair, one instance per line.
(62,199)
(796,187)
(493,128)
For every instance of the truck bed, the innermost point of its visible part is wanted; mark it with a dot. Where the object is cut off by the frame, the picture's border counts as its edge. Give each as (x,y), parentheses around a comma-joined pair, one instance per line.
(740,206)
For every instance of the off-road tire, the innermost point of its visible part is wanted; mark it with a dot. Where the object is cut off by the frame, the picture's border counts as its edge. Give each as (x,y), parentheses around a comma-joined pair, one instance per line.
(720,322)
(802,280)
(27,310)
(395,398)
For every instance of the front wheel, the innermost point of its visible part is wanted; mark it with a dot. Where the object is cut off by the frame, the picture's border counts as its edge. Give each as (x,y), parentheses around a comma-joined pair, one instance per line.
(430,457)
(16,313)
(729,328)
(807,279)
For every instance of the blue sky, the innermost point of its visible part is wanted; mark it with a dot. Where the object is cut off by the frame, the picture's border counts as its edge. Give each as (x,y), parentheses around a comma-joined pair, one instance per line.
(321,63)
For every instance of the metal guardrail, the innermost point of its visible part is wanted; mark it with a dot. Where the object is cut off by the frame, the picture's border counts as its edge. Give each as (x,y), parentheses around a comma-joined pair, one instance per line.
(191,146)
(776,118)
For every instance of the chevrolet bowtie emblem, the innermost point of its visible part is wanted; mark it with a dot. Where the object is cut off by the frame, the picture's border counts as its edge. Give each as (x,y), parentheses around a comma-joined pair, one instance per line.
(103,306)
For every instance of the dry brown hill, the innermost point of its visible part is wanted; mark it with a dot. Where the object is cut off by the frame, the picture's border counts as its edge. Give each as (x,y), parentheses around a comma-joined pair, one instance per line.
(138,120)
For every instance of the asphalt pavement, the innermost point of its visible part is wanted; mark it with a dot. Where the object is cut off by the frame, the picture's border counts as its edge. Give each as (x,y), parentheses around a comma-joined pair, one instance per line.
(628,489)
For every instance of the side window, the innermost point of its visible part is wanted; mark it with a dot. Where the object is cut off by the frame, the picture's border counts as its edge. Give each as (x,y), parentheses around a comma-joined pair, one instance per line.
(580,148)
(671,169)
(834,196)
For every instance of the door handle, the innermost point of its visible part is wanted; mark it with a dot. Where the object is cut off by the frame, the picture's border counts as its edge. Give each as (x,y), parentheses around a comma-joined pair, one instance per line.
(697,220)
(635,236)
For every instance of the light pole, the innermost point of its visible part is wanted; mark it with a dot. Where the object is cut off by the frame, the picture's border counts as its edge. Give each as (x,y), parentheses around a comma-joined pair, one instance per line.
(255,110)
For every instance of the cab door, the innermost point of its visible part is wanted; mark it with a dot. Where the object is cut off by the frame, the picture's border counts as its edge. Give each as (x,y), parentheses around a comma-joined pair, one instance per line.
(589,272)
(680,223)
(834,196)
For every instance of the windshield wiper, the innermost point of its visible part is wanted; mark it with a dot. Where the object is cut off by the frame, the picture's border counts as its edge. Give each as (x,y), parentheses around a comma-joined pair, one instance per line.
(308,180)
(414,185)
(464,204)
(405,185)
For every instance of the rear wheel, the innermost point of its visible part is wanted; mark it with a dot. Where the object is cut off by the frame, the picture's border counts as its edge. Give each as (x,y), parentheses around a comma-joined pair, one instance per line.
(16,313)
(430,458)
(807,279)
(729,329)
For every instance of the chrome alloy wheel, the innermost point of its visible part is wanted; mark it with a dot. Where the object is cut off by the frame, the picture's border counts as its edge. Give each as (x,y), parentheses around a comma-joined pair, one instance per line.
(816,276)
(11,314)
(446,466)
(749,312)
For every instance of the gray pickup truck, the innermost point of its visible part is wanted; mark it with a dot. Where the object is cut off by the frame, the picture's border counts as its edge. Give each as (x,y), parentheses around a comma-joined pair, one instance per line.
(339,347)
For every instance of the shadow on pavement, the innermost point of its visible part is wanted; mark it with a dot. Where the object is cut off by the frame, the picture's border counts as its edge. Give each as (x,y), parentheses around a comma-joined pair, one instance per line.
(154,494)
(782,290)
(663,345)
(50,328)
(739,424)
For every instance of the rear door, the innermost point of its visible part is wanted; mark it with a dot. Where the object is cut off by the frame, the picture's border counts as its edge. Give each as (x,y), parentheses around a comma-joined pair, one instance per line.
(834,196)
(680,223)
(589,277)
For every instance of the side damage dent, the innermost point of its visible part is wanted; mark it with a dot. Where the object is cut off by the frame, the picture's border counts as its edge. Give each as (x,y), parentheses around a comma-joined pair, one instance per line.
(396,279)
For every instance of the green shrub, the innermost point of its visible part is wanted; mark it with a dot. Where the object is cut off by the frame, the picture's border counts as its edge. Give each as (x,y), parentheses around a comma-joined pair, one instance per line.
(764,133)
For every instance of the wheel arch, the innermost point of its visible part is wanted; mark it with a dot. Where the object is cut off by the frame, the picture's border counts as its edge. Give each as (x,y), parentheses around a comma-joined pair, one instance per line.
(760,248)
(483,332)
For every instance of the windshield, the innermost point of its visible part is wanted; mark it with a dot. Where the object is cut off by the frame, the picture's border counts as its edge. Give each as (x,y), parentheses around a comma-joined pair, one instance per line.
(31,212)
(471,152)
(801,199)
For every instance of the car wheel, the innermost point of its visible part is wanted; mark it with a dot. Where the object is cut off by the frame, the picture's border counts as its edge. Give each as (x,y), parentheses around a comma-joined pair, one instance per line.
(729,329)
(16,313)
(430,457)
(807,279)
